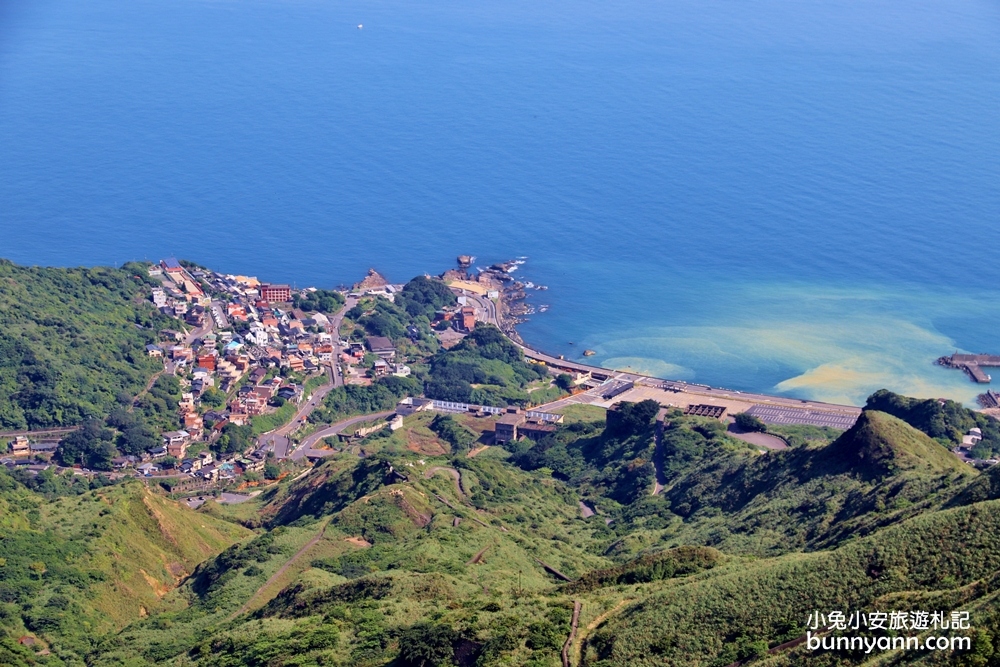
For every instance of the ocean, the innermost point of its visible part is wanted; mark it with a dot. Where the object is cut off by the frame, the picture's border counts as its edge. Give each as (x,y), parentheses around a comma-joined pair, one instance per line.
(789,196)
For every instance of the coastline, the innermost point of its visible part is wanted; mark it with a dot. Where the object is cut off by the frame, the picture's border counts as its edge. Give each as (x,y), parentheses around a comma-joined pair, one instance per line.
(503,311)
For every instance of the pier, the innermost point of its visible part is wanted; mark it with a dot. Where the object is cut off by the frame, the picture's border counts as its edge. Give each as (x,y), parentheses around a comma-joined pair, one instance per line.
(972,364)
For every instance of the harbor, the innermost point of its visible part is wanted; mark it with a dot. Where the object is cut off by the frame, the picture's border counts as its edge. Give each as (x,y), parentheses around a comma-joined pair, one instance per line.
(972,365)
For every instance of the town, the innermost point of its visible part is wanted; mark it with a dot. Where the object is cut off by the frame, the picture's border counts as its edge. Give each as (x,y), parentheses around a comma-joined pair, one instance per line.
(246,370)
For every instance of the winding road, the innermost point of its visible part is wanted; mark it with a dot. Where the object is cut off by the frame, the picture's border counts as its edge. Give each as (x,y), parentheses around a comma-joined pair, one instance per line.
(306,448)
(278,440)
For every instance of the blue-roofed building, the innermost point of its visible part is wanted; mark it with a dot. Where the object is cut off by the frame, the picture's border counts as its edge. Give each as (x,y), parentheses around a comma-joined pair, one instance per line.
(171,265)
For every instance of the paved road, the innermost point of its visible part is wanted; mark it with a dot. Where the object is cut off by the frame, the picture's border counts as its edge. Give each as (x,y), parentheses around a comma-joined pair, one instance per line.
(278,440)
(488,307)
(306,448)
(334,328)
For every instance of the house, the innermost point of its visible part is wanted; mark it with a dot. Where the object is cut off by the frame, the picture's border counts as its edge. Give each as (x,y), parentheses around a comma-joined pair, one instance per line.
(381,346)
(275,293)
(122,462)
(20,446)
(193,422)
(381,368)
(175,437)
(44,447)
(324,353)
(252,464)
(467,319)
(154,351)
(207,361)
(401,370)
(205,458)
(296,363)
(148,469)
(290,392)
(177,450)
(972,438)
(157,452)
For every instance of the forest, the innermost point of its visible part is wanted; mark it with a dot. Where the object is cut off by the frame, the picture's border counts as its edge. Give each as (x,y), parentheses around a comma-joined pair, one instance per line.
(72,342)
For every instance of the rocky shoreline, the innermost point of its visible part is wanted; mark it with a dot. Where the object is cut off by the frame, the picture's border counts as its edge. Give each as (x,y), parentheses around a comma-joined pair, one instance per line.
(512,294)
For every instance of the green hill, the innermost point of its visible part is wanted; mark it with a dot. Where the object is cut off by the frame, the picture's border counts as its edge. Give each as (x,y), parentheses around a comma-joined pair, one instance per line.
(72,341)
(879,472)
(78,566)
(734,611)
(419,553)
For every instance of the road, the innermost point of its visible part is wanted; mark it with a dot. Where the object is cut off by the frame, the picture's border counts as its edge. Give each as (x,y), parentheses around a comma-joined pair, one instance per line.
(334,329)
(306,448)
(278,440)
(487,307)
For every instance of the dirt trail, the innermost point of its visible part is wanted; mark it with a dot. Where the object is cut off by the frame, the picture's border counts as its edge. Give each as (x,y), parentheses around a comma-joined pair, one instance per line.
(593,625)
(454,473)
(281,570)
(478,450)
(577,605)
(479,556)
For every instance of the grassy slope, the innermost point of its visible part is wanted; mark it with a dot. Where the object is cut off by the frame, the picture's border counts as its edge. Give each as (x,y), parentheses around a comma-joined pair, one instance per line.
(770,599)
(878,473)
(109,555)
(342,602)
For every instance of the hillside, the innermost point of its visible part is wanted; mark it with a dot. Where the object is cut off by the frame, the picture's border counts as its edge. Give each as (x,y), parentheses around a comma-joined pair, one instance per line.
(428,546)
(366,562)
(71,342)
(78,566)
(879,472)
(733,612)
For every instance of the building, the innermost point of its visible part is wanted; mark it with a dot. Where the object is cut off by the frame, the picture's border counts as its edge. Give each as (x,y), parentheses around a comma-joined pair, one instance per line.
(381,346)
(175,437)
(515,424)
(381,368)
(172,266)
(43,448)
(467,319)
(701,410)
(505,430)
(20,446)
(154,351)
(275,293)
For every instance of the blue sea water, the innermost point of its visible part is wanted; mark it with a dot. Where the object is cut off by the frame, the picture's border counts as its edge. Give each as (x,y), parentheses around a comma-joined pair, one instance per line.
(794,196)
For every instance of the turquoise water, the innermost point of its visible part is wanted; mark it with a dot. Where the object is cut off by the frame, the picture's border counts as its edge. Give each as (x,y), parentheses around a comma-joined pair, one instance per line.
(777,195)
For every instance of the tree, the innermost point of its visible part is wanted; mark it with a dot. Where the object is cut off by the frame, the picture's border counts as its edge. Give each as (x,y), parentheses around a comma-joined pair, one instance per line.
(749,423)
(271,470)
(564,381)
(427,645)
(213,398)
